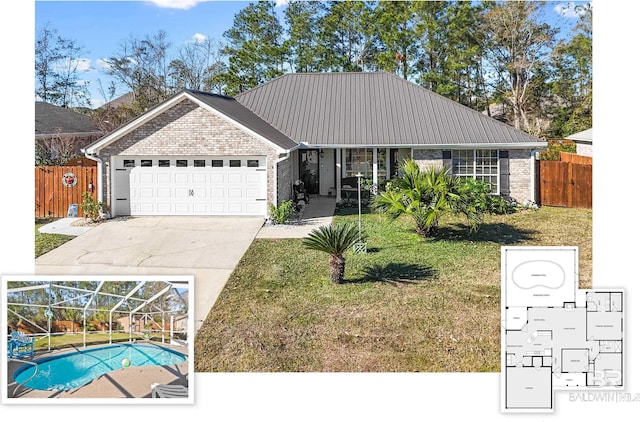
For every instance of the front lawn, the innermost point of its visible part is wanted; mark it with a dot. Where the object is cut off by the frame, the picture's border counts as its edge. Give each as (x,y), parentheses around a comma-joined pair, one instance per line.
(44,242)
(407,305)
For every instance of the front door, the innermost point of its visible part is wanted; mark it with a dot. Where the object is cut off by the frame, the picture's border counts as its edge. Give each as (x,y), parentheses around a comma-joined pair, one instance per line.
(309,171)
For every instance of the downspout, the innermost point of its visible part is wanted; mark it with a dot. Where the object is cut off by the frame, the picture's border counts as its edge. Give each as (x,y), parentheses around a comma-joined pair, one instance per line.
(94,157)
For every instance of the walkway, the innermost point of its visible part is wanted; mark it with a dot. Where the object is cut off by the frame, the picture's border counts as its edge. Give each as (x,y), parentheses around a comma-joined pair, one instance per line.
(318,213)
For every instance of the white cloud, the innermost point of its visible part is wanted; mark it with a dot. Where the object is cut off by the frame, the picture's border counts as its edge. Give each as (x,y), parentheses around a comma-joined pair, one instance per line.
(199,38)
(281,3)
(568,10)
(80,65)
(103,64)
(176,4)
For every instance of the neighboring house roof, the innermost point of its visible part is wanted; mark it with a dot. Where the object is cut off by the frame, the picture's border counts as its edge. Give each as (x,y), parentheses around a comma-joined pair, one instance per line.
(373,109)
(126,99)
(225,107)
(52,120)
(582,137)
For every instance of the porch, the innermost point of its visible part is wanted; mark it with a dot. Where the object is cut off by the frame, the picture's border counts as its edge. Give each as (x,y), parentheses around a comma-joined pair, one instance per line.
(331,172)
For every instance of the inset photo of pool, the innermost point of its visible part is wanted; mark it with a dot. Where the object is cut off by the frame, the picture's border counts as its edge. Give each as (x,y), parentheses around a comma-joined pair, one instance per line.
(97,339)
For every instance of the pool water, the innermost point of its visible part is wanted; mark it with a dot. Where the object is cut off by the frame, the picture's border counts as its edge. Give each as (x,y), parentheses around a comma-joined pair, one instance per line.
(73,370)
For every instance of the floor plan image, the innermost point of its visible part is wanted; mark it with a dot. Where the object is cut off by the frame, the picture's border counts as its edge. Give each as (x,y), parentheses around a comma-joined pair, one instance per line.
(555,336)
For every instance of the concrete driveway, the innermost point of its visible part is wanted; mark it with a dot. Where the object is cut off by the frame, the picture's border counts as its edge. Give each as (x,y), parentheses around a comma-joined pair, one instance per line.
(208,248)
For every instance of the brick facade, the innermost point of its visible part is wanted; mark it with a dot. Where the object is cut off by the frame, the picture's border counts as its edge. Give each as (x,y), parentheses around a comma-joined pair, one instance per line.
(520,169)
(187,129)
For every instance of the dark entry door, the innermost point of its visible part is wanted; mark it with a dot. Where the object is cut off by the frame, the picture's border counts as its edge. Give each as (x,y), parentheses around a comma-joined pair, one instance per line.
(309,171)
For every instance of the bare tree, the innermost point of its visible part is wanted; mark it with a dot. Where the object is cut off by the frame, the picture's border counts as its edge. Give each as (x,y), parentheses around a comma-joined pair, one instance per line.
(517,47)
(58,68)
(142,67)
(197,65)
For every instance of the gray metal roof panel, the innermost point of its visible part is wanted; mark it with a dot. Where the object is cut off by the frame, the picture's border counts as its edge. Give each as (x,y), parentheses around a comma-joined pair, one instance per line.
(371,108)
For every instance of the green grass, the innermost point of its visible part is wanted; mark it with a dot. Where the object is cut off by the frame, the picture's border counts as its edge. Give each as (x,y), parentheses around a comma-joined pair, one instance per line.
(409,304)
(44,242)
(61,341)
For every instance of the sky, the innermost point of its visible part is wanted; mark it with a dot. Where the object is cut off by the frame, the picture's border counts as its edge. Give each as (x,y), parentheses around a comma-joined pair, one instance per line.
(323,397)
(101,26)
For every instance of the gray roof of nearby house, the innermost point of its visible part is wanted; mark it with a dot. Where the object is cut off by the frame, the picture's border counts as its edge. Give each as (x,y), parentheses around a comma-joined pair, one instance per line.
(582,137)
(54,120)
(233,109)
(372,109)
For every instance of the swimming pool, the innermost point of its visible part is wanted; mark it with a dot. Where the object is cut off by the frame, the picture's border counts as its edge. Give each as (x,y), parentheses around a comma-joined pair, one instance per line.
(73,370)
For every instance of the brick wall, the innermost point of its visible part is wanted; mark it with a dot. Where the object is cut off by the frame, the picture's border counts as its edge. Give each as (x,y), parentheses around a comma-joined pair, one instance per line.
(429,157)
(520,173)
(187,129)
(520,169)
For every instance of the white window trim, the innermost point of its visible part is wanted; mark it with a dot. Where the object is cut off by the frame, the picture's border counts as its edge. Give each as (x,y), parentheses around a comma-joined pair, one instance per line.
(475,167)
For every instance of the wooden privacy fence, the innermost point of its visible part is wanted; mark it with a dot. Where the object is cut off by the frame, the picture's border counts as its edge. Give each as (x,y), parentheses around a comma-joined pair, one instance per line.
(564,184)
(59,187)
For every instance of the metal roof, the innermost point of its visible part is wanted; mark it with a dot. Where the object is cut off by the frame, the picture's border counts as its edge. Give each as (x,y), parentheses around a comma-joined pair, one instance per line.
(584,136)
(372,109)
(236,111)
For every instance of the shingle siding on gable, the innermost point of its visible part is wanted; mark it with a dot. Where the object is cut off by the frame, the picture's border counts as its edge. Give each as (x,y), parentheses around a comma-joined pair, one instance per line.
(187,129)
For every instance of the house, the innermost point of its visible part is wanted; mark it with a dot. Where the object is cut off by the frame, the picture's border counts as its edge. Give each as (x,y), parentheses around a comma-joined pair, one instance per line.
(61,133)
(199,153)
(583,141)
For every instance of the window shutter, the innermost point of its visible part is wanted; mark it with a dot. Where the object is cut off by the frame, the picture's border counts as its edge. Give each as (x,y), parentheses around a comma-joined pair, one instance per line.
(503,158)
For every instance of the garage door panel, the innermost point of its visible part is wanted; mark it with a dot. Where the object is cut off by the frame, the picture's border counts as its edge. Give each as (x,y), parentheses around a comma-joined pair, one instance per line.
(164,178)
(235,208)
(235,178)
(234,193)
(218,209)
(182,178)
(217,193)
(253,193)
(196,190)
(146,178)
(199,178)
(217,178)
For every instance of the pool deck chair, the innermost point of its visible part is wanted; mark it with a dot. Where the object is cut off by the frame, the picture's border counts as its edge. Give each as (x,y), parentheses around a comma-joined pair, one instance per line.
(168,391)
(20,345)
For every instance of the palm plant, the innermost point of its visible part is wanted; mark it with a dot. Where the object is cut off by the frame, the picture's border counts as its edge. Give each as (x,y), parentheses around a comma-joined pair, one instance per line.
(334,240)
(426,195)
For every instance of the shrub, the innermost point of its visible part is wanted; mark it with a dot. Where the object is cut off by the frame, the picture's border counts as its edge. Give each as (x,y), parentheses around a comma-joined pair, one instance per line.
(282,213)
(552,153)
(479,196)
(91,207)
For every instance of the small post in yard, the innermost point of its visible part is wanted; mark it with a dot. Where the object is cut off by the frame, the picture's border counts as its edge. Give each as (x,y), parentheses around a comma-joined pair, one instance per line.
(359,247)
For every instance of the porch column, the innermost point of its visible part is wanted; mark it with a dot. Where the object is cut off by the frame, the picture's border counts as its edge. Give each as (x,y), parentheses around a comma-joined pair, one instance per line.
(375,165)
(338,174)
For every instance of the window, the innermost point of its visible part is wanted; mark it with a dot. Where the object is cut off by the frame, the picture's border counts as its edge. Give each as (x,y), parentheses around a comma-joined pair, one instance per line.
(198,163)
(217,163)
(253,163)
(181,163)
(359,160)
(481,164)
(164,163)
(129,163)
(382,166)
(146,163)
(235,163)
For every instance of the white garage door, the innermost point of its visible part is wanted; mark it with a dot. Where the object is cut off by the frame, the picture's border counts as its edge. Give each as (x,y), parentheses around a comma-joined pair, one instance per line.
(190,186)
